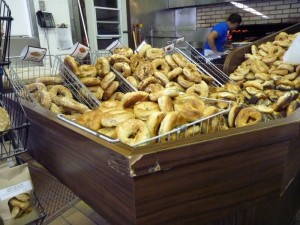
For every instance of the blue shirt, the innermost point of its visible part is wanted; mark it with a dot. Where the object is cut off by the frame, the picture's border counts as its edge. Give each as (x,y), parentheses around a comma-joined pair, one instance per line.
(222,30)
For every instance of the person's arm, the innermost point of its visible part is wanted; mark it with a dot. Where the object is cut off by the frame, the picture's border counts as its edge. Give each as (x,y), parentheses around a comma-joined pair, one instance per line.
(211,40)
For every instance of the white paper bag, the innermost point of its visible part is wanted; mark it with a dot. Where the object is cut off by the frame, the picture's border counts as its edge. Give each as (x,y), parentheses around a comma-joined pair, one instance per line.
(292,55)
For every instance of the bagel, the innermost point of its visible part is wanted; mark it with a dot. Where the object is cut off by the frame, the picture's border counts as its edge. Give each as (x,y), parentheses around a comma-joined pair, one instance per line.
(108,92)
(43,97)
(60,91)
(175,84)
(97,91)
(170,121)
(147,81)
(49,80)
(171,92)
(153,122)
(133,81)
(102,66)
(236,78)
(109,131)
(232,115)
(118,58)
(153,88)
(135,60)
(144,70)
(133,131)
(200,89)
(90,81)
(107,80)
(130,98)
(162,77)
(87,71)
(191,73)
(174,73)
(287,67)
(248,116)
(165,103)
(283,101)
(117,96)
(90,119)
(110,105)
(190,106)
(123,68)
(71,63)
(254,49)
(154,53)
(169,59)
(142,110)
(184,82)
(127,52)
(70,104)
(113,118)
(212,122)
(160,65)
(34,87)
(180,60)
(269,58)
(143,49)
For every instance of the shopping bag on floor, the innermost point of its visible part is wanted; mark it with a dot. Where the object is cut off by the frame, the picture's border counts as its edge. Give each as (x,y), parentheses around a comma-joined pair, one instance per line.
(16,190)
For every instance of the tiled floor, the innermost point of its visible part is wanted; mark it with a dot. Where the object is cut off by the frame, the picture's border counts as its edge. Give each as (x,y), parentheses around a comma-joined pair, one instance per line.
(79,214)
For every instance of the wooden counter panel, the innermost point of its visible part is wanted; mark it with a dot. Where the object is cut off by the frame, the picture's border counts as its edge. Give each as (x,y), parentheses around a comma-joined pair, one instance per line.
(216,177)
(83,166)
(211,189)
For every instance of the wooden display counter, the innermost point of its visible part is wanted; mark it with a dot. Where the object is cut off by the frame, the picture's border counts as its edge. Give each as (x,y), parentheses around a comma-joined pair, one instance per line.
(238,176)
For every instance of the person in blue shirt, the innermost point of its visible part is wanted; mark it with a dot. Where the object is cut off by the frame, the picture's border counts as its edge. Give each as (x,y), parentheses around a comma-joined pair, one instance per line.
(218,35)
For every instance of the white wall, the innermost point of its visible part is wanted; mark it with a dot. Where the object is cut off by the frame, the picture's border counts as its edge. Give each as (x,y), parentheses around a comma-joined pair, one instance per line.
(20,26)
(61,14)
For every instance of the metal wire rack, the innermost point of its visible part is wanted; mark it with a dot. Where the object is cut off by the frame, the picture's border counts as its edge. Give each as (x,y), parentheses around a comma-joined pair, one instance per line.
(13,140)
(203,64)
(24,72)
(5,30)
(91,59)
(197,127)
(125,86)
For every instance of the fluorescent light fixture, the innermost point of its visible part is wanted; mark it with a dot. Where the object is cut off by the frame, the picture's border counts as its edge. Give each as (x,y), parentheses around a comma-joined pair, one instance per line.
(248,9)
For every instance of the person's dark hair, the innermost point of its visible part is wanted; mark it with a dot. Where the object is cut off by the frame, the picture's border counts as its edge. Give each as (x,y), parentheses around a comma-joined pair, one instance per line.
(235,18)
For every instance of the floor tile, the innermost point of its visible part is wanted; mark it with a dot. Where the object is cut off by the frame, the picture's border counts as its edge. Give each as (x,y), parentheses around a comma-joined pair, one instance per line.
(78,218)
(69,212)
(84,208)
(99,220)
(59,221)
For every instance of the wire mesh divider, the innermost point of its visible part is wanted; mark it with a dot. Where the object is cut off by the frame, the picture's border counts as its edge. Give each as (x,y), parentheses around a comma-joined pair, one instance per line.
(188,129)
(91,59)
(13,140)
(26,72)
(203,64)
(125,86)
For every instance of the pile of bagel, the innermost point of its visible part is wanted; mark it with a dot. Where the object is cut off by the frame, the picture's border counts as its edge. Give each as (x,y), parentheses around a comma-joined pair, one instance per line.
(98,78)
(169,87)
(137,117)
(50,93)
(269,88)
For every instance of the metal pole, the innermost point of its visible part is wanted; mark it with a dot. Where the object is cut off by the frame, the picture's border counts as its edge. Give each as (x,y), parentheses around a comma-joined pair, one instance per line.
(83,23)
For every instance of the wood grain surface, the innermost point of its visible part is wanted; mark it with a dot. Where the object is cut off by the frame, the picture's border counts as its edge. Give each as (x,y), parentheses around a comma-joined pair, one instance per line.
(234,177)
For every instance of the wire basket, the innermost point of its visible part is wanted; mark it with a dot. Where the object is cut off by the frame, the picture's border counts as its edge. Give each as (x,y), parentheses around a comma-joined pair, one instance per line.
(5,30)
(91,59)
(25,72)
(125,86)
(14,139)
(203,64)
(184,131)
